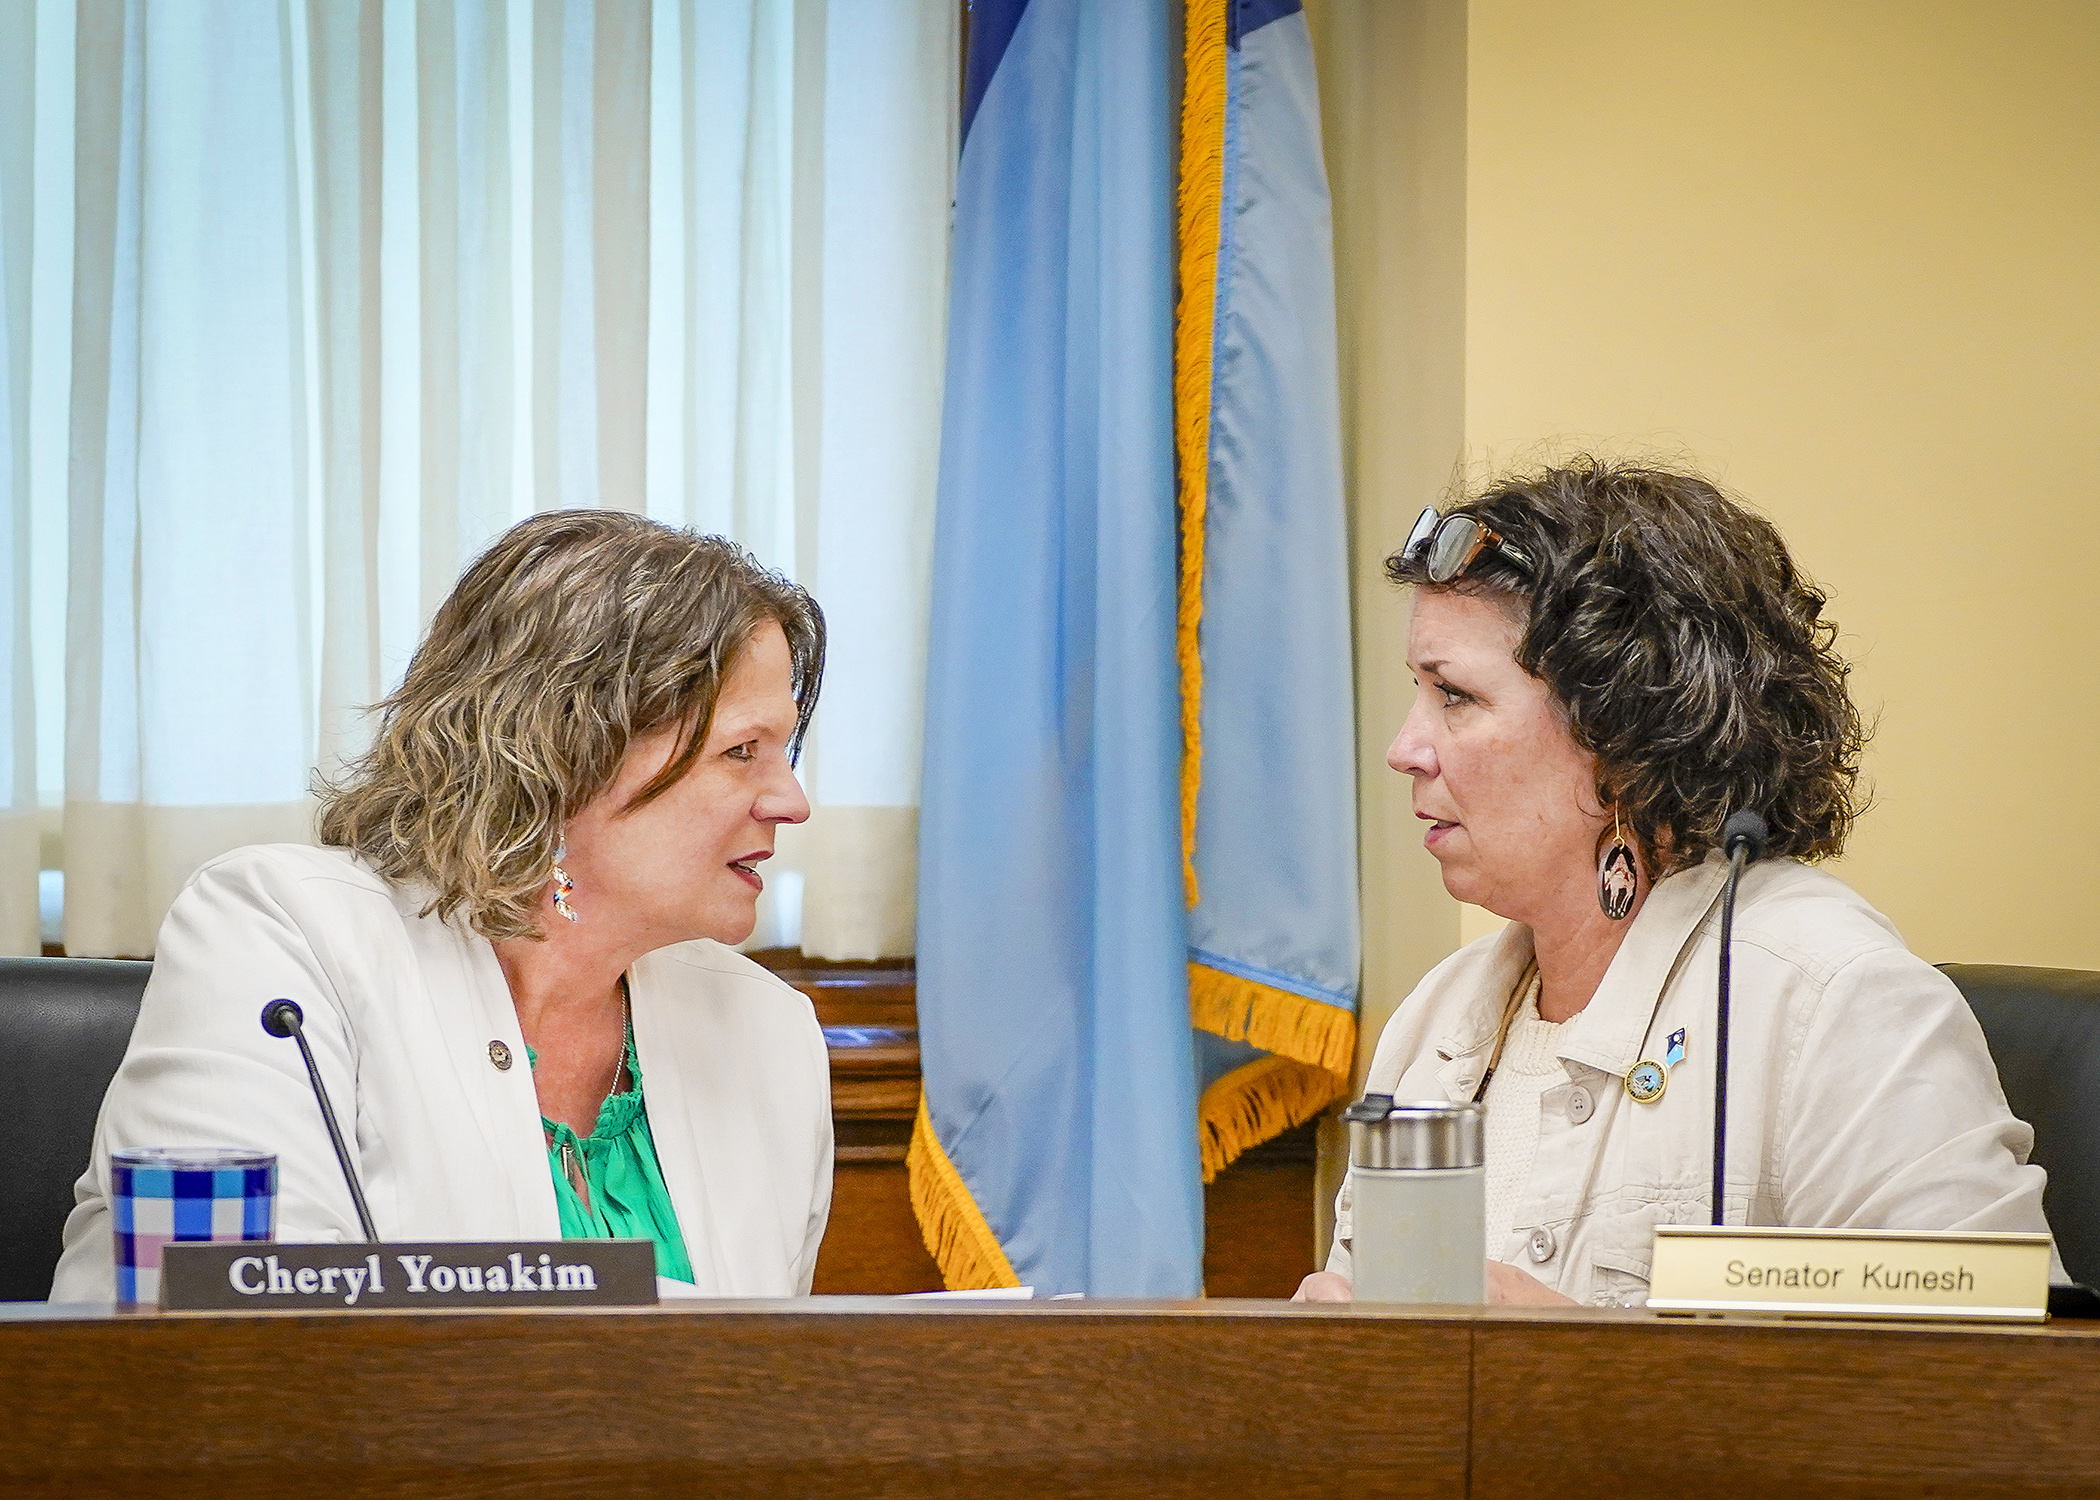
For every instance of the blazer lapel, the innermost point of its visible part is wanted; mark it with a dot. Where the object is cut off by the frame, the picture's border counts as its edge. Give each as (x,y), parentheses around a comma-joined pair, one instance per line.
(682,1153)
(470,1004)
(1468,1042)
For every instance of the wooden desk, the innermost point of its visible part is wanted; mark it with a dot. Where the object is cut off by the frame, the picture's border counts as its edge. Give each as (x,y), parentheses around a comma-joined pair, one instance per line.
(1665,1405)
(858,1397)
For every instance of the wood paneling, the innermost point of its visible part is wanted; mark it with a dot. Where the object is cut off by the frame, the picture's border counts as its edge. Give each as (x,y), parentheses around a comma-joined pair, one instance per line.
(870,1019)
(873,1243)
(1258,1219)
(875,1074)
(863,1398)
(1142,1402)
(883,993)
(1719,1407)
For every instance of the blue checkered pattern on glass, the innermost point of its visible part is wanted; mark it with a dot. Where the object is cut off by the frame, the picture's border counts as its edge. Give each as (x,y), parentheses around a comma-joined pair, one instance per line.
(162,1194)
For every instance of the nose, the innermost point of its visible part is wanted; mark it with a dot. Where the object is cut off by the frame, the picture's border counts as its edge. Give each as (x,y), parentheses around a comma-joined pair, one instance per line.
(1411,753)
(783,800)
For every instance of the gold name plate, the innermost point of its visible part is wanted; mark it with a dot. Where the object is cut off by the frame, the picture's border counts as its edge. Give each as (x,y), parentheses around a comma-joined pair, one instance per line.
(1850,1273)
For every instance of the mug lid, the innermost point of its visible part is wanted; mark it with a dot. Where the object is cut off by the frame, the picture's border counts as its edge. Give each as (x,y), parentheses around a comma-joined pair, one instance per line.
(1410,1134)
(191,1158)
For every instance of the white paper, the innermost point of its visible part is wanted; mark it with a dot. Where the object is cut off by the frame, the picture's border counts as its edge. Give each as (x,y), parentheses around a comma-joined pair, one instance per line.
(1006,1293)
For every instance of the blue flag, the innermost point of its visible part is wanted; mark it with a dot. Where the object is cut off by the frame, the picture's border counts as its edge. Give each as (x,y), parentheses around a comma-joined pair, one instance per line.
(1056,1142)
(1269,779)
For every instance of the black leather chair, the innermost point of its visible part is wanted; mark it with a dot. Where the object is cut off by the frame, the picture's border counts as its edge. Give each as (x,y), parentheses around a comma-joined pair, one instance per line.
(2043,1026)
(64,1024)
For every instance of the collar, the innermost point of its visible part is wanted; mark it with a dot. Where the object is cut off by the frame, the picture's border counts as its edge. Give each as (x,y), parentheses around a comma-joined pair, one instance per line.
(1463,1049)
(1607,1033)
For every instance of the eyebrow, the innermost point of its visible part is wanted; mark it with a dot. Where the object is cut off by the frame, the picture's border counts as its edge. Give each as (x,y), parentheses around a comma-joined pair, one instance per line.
(749,725)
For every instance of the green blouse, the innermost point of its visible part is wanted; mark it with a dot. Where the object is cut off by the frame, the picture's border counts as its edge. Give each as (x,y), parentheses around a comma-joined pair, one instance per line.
(628,1196)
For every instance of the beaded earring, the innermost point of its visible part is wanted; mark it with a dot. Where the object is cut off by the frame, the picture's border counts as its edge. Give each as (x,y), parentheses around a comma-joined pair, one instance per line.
(1618,875)
(564,887)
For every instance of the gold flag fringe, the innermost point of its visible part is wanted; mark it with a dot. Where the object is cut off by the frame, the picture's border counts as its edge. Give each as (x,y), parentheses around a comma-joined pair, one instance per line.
(1265,1098)
(1314,1044)
(1243,1010)
(1199,200)
(957,1237)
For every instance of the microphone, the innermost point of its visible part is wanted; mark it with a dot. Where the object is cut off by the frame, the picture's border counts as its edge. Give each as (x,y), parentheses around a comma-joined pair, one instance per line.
(283,1018)
(1743,840)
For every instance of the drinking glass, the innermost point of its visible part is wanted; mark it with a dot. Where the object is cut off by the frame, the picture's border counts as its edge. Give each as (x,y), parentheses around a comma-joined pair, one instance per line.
(164,1193)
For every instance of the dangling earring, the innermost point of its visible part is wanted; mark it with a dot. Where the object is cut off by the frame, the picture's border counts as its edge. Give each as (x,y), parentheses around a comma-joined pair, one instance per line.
(564,887)
(1618,875)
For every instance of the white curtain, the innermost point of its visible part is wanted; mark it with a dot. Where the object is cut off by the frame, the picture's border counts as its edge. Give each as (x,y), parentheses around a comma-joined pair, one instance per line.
(18,807)
(357,283)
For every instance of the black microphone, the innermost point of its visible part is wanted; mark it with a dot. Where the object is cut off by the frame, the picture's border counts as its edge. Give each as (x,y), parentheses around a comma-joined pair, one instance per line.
(284,1018)
(1743,840)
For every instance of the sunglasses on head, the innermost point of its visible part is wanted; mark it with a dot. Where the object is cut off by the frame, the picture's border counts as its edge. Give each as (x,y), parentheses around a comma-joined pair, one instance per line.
(1449,544)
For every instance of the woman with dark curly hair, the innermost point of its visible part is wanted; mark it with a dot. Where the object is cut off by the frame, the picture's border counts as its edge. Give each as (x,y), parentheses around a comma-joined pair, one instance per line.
(1612,659)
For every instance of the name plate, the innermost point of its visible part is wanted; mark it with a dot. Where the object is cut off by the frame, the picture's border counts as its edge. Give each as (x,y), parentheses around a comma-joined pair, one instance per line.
(252,1276)
(1851,1273)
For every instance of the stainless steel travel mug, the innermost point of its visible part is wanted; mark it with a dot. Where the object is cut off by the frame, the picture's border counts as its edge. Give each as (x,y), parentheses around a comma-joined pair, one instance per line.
(1419,1201)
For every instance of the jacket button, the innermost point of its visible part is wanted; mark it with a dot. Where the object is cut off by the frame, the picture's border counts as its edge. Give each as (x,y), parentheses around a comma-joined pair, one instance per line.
(1580,1105)
(1542,1245)
(500,1056)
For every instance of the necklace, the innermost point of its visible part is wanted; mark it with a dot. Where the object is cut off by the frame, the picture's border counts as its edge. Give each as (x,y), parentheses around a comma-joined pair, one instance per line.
(575,1168)
(626,1037)
(1518,996)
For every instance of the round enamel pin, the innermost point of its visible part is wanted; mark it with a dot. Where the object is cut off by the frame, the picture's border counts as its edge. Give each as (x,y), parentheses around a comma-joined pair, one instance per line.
(1645,1081)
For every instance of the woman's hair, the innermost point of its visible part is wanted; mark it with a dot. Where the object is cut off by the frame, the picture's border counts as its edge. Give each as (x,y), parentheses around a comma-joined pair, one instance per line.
(1688,652)
(575,633)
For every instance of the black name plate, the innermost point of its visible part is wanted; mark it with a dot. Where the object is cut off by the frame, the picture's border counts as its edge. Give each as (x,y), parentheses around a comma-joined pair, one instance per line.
(256,1275)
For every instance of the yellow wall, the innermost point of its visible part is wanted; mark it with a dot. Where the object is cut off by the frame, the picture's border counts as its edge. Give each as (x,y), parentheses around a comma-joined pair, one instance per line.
(1394,117)
(1846,259)
(1393,96)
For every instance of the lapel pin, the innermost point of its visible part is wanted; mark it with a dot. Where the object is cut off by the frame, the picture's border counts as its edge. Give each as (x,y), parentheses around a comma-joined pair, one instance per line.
(1647,1079)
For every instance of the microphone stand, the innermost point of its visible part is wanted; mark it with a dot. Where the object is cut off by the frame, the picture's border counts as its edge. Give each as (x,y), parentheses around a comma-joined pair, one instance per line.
(1743,836)
(284,1018)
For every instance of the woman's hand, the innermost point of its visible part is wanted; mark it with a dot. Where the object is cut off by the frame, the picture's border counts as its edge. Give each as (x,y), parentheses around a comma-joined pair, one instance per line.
(1506,1287)
(1325,1286)
(1509,1287)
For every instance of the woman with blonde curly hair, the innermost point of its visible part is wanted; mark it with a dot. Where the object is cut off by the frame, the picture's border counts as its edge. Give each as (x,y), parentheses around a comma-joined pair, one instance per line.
(512,949)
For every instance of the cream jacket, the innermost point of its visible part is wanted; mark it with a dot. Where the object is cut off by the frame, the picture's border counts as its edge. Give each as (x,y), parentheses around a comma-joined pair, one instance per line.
(1860,1091)
(401,1011)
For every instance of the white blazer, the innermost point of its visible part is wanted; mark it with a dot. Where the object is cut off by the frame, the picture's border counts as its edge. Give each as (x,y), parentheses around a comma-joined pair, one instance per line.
(401,1011)
(1860,1091)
